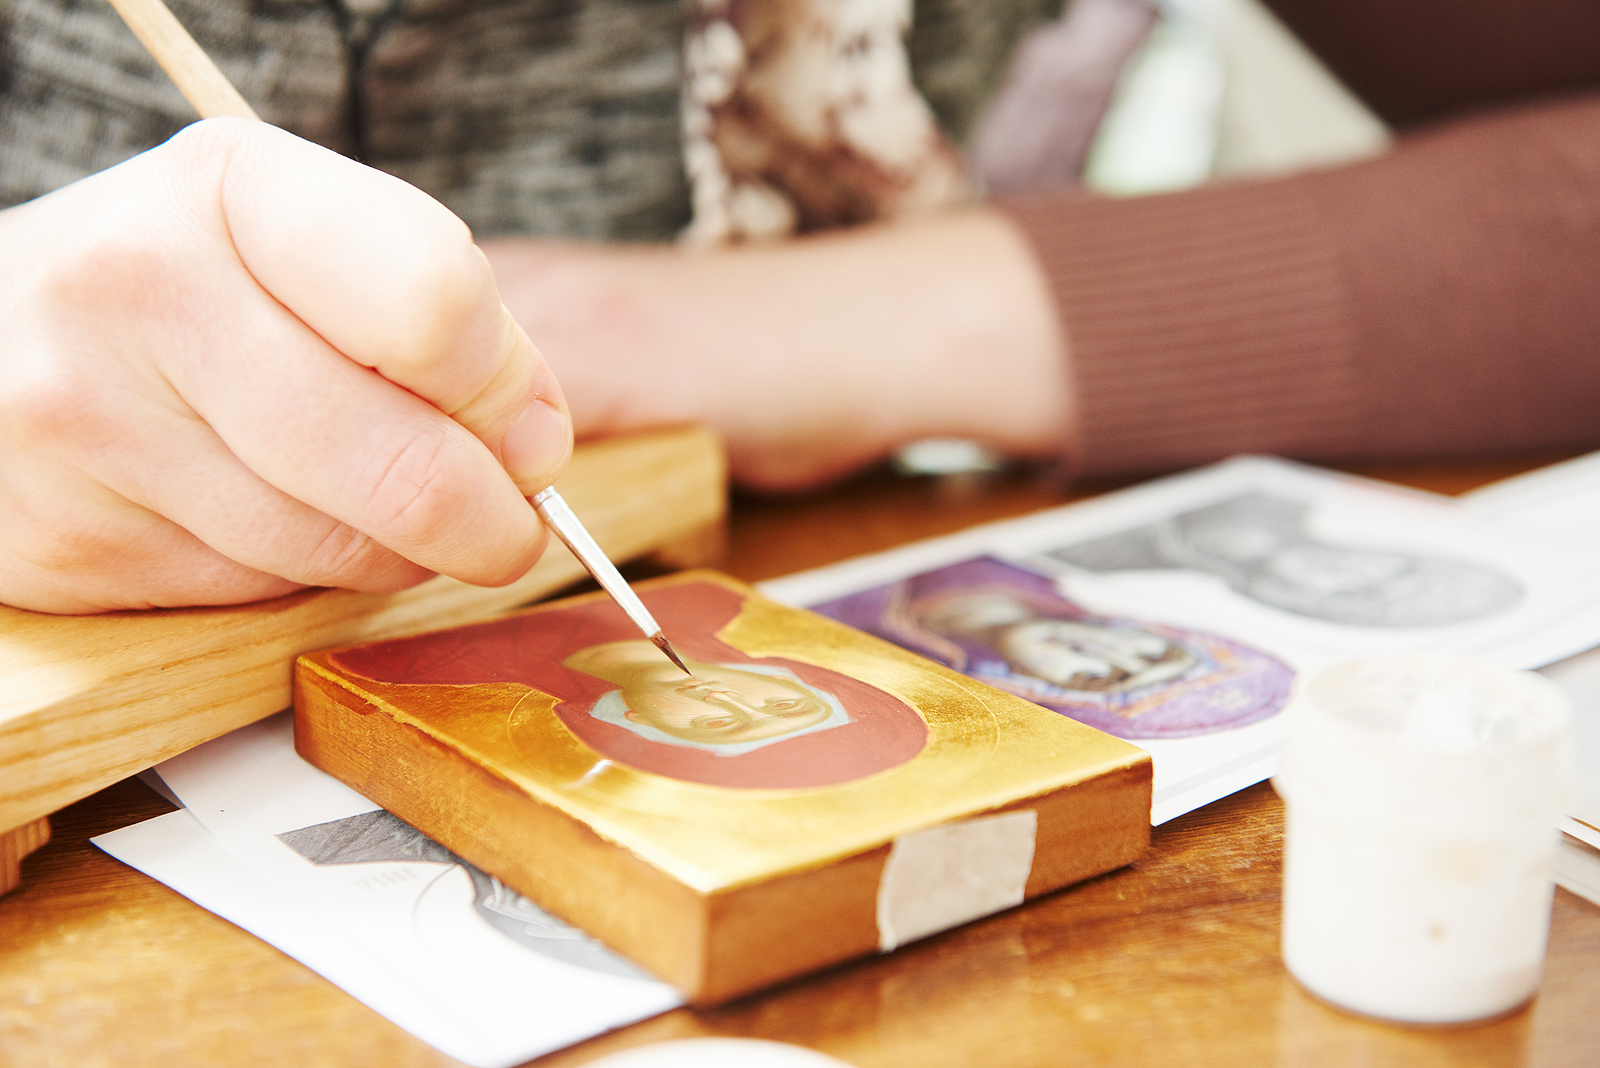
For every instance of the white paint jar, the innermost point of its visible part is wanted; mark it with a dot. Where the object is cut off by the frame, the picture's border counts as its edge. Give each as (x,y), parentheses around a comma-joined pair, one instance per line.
(1421,796)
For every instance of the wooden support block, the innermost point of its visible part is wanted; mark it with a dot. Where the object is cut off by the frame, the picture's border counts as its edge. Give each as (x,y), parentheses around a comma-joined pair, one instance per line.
(811,795)
(88,700)
(699,548)
(16,844)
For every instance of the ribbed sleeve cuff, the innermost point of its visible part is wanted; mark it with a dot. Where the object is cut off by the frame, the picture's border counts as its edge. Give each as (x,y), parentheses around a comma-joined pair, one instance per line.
(1198,324)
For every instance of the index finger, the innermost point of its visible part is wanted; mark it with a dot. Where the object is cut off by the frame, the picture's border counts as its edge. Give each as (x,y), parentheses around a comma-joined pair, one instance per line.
(392,279)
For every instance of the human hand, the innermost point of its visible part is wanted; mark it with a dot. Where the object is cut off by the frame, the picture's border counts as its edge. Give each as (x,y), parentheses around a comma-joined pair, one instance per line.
(240,364)
(812,357)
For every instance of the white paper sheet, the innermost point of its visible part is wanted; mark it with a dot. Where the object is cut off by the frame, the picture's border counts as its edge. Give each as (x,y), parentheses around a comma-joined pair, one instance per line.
(1280,557)
(176,850)
(1577,868)
(498,980)
(1580,678)
(1563,501)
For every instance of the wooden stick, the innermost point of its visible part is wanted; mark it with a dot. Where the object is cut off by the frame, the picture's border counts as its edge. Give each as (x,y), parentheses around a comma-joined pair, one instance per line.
(186,63)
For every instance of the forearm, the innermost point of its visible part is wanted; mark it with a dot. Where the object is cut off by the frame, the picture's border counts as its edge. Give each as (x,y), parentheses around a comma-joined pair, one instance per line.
(812,357)
(1437,301)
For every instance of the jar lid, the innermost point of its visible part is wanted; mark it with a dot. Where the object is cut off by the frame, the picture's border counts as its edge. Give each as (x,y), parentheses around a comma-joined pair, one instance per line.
(1428,737)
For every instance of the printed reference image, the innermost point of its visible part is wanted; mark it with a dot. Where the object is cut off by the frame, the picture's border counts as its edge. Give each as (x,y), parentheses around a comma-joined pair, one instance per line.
(1260,545)
(382,837)
(1008,627)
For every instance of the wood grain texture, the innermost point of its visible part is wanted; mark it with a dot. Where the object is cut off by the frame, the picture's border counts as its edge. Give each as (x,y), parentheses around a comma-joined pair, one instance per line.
(1172,961)
(16,844)
(89,700)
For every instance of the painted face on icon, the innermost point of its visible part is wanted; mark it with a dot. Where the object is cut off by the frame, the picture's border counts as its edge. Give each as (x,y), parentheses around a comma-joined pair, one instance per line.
(718,705)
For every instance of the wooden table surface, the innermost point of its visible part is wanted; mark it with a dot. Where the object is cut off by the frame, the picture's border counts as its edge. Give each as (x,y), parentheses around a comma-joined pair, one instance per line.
(1171,962)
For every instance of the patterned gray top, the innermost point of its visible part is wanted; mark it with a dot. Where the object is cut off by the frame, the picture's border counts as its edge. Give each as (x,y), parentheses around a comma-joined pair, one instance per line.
(541,117)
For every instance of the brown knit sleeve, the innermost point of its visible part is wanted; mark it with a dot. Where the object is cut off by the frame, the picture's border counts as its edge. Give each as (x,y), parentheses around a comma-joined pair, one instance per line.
(1441,300)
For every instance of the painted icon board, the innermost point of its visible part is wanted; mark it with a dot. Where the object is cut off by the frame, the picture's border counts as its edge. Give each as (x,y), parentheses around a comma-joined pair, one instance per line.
(778,813)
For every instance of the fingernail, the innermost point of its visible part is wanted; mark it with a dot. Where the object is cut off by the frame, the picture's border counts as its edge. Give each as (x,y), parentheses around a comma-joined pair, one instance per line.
(537,446)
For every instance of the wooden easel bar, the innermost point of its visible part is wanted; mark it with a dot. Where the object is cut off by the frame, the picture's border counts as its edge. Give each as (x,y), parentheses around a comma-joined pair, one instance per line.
(88,700)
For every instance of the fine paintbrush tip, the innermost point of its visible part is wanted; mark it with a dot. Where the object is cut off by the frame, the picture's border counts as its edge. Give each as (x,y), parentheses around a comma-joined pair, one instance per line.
(665,646)
(564,525)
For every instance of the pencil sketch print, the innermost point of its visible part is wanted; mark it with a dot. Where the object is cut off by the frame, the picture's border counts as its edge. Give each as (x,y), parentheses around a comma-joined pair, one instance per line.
(382,837)
(1260,545)
(1008,627)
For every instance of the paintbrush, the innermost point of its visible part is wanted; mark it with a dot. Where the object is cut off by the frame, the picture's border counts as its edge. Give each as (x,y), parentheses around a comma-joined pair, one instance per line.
(212,95)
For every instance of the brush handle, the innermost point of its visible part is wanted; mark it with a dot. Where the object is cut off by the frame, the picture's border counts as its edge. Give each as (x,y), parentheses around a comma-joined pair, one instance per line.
(564,524)
(186,63)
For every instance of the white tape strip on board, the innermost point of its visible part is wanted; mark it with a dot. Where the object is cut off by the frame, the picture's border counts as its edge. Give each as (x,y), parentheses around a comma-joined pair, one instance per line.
(942,877)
